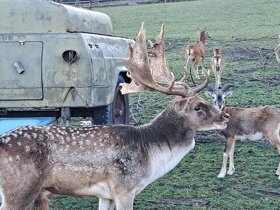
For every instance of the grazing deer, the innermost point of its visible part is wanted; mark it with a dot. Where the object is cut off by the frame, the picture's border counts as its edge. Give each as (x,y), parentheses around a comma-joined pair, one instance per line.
(196,53)
(217,65)
(114,163)
(277,49)
(246,123)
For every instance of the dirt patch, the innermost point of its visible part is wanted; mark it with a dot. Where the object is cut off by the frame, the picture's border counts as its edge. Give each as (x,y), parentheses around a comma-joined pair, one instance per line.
(249,53)
(191,202)
(271,80)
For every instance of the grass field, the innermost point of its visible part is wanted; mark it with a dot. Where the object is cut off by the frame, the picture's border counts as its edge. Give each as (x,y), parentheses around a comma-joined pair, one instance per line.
(246,31)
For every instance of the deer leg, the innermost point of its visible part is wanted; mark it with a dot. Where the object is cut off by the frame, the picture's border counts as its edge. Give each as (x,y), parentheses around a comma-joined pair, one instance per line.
(185,77)
(227,153)
(231,160)
(42,201)
(18,200)
(274,138)
(202,66)
(195,68)
(124,202)
(106,204)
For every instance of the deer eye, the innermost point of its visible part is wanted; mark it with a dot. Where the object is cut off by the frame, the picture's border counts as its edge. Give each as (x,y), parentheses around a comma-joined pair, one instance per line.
(197,108)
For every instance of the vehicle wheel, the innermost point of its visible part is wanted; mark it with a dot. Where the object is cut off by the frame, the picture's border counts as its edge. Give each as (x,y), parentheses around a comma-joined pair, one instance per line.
(115,113)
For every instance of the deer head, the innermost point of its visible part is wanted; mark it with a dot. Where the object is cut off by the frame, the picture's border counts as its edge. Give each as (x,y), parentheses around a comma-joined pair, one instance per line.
(203,35)
(219,95)
(149,69)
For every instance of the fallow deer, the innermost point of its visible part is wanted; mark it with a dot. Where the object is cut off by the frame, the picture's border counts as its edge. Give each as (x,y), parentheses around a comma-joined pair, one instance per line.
(246,123)
(114,163)
(277,49)
(217,65)
(196,53)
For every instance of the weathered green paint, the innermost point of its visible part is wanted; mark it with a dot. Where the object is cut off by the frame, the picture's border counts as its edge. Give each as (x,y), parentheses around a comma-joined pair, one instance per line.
(37,47)
(43,16)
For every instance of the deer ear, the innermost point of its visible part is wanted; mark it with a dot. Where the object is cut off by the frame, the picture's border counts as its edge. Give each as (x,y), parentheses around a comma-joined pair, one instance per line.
(228,94)
(209,94)
(182,105)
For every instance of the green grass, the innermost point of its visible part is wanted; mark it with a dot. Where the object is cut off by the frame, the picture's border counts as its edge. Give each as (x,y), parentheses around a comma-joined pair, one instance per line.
(246,31)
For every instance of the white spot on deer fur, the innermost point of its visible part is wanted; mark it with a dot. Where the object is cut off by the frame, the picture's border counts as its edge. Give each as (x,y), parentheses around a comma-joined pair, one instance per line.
(20,132)
(10,159)
(19,143)
(7,139)
(14,135)
(67,138)
(34,135)
(61,140)
(73,143)
(26,135)
(17,158)
(27,149)
(87,142)
(81,142)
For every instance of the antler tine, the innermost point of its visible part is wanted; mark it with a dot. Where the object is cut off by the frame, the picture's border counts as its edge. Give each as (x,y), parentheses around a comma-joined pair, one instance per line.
(139,69)
(148,71)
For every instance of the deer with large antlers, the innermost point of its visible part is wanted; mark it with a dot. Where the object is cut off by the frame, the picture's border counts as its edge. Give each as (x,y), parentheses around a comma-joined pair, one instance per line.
(217,65)
(196,53)
(114,163)
(245,123)
(277,49)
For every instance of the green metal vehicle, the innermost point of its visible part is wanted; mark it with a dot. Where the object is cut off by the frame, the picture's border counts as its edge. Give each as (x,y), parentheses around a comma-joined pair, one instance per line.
(58,60)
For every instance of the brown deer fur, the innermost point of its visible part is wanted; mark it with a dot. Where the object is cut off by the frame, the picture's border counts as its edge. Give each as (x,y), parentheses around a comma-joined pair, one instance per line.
(217,65)
(196,53)
(252,124)
(114,163)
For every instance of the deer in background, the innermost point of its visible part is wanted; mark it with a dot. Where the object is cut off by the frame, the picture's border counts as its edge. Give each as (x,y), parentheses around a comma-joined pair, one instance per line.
(217,65)
(277,49)
(113,163)
(245,123)
(196,53)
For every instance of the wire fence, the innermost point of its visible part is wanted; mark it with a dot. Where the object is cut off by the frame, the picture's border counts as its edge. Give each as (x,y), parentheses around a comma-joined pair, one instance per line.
(109,3)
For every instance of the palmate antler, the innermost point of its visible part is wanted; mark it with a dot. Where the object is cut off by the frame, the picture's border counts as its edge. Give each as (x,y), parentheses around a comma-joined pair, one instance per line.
(149,69)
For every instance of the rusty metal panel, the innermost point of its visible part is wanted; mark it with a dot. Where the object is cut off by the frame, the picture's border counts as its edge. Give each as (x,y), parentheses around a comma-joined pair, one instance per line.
(43,16)
(21,70)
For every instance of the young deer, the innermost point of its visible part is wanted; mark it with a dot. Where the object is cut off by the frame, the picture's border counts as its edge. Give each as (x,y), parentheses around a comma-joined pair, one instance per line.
(277,49)
(246,123)
(217,65)
(196,53)
(114,163)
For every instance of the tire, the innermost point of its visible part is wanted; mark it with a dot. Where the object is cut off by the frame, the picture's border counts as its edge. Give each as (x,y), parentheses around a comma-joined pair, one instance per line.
(115,113)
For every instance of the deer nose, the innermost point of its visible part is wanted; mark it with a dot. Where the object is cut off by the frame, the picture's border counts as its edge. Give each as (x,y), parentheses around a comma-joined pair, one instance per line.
(225,115)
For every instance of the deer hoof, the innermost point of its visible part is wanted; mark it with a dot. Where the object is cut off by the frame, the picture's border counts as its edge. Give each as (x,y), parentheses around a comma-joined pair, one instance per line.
(221,175)
(230,172)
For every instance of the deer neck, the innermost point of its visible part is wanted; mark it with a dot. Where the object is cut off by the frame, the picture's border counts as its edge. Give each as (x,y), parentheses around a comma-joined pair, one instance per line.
(171,142)
(168,129)
(202,38)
